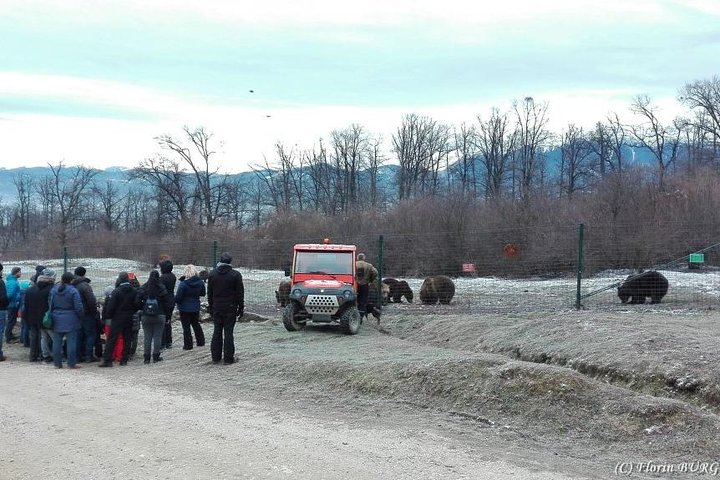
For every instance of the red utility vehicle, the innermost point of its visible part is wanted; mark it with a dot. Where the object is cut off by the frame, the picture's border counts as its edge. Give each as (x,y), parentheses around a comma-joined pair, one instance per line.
(323,288)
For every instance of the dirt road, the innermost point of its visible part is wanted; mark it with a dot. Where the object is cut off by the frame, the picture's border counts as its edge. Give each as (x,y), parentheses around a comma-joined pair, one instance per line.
(95,423)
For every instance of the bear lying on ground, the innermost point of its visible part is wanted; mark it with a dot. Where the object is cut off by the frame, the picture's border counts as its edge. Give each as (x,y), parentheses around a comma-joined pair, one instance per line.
(282,294)
(438,288)
(648,284)
(398,289)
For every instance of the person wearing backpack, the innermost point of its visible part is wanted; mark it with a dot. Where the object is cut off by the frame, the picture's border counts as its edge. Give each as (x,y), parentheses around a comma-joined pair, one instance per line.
(153,299)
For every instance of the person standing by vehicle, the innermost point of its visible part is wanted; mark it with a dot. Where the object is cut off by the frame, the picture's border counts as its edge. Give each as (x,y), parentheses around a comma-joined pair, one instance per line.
(12,287)
(168,278)
(35,303)
(226,303)
(120,309)
(152,300)
(366,275)
(89,318)
(187,299)
(3,312)
(66,308)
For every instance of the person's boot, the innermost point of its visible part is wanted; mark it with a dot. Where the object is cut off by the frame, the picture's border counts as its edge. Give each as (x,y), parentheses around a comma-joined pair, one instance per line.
(105,363)
(146,359)
(157,357)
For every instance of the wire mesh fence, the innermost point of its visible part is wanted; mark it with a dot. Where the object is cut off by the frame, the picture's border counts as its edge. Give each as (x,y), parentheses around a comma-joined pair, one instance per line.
(494,270)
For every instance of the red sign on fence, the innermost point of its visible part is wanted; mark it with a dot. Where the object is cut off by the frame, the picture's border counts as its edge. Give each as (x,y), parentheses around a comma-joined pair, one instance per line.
(468,268)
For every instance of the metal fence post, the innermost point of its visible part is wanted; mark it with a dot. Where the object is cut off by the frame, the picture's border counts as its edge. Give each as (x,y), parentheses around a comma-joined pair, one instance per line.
(65,259)
(381,252)
(581,235)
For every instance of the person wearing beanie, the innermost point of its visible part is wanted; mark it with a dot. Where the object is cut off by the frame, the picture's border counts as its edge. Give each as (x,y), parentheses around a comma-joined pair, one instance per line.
(88,332)
(226,303)
(66,309)
(35,304)
(3,312)
(120,308)
(168,278)
(187,299)
(38,272)
(12,290)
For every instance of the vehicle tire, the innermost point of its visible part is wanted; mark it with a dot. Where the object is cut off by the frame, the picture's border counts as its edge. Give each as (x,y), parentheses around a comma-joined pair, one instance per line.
(291,325)
(350,321)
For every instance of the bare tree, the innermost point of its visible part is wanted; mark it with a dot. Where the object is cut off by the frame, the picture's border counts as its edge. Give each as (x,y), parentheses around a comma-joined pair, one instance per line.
(704,96)
(284,181)
(349,151)
(495,143)
(662,141)
(209,184)
(466,150)
(67,190)
(170,184)
(531,135)
(111,204)
(24,185)
(575,170)
(420,144)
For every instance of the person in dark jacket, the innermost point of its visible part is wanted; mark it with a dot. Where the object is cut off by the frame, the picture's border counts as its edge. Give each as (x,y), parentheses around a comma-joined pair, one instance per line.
(35,305)
(226,303)
(153,323)
(67,309)
(187,299)
(120,308)
(89,319)
(38,271)
(168,279)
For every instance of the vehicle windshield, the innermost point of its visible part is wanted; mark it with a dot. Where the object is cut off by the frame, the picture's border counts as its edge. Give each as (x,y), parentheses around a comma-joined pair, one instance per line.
(335,263)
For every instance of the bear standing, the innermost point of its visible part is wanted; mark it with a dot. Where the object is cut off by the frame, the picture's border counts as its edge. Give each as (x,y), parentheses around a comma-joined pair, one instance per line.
(648,284)
(437,289)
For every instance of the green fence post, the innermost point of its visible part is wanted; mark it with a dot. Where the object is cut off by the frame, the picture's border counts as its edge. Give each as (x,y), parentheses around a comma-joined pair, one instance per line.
(581,234)
(381,252)
(214,254)
(65,259)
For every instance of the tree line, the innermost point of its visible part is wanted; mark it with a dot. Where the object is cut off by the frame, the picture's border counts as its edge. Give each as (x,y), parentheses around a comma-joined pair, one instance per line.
(498,165)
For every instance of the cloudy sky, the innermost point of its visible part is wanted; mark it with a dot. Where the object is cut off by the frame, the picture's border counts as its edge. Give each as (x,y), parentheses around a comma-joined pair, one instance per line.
(93,82)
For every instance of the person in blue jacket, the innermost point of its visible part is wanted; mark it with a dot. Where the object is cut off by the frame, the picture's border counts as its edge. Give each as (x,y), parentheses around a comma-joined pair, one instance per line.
(67,310)
(187,299)
(12,287)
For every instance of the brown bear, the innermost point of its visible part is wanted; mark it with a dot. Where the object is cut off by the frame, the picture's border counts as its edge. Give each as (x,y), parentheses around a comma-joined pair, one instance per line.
(648,284)
(282,294)
(438,288)
(398,289)
(373,305)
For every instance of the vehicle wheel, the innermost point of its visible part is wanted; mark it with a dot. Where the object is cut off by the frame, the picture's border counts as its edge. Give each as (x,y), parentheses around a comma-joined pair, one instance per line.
(291,325)
(350,321)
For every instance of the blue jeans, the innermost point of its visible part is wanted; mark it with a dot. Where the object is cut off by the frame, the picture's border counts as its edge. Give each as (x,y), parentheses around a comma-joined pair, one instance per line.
(71,338)
(10,323)
(153,328)
(3,319)
(24,332)
(89,327)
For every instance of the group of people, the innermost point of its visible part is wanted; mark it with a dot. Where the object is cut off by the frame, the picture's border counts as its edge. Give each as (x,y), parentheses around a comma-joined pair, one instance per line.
(64,320)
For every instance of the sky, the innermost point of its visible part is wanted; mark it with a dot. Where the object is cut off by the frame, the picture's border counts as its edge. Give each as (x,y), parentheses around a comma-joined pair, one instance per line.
(95,82)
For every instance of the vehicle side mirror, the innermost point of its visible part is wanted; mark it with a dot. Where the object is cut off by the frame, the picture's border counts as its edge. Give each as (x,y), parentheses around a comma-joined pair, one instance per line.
(287,271)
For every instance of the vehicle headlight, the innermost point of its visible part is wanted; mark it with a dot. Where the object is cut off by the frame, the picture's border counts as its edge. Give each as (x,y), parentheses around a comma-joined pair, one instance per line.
(296,293)
(347,294)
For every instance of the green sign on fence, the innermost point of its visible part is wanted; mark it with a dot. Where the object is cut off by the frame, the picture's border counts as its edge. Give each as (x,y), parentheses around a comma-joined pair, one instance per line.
(697,258)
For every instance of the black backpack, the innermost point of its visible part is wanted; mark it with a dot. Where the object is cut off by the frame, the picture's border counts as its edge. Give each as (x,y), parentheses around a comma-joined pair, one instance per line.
(151,307)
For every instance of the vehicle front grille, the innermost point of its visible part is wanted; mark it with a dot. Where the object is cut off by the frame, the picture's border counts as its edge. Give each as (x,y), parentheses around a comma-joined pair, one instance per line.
(321,304)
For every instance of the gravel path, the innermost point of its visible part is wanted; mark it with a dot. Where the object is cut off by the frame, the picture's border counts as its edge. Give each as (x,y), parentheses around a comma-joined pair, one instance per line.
(92,424)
